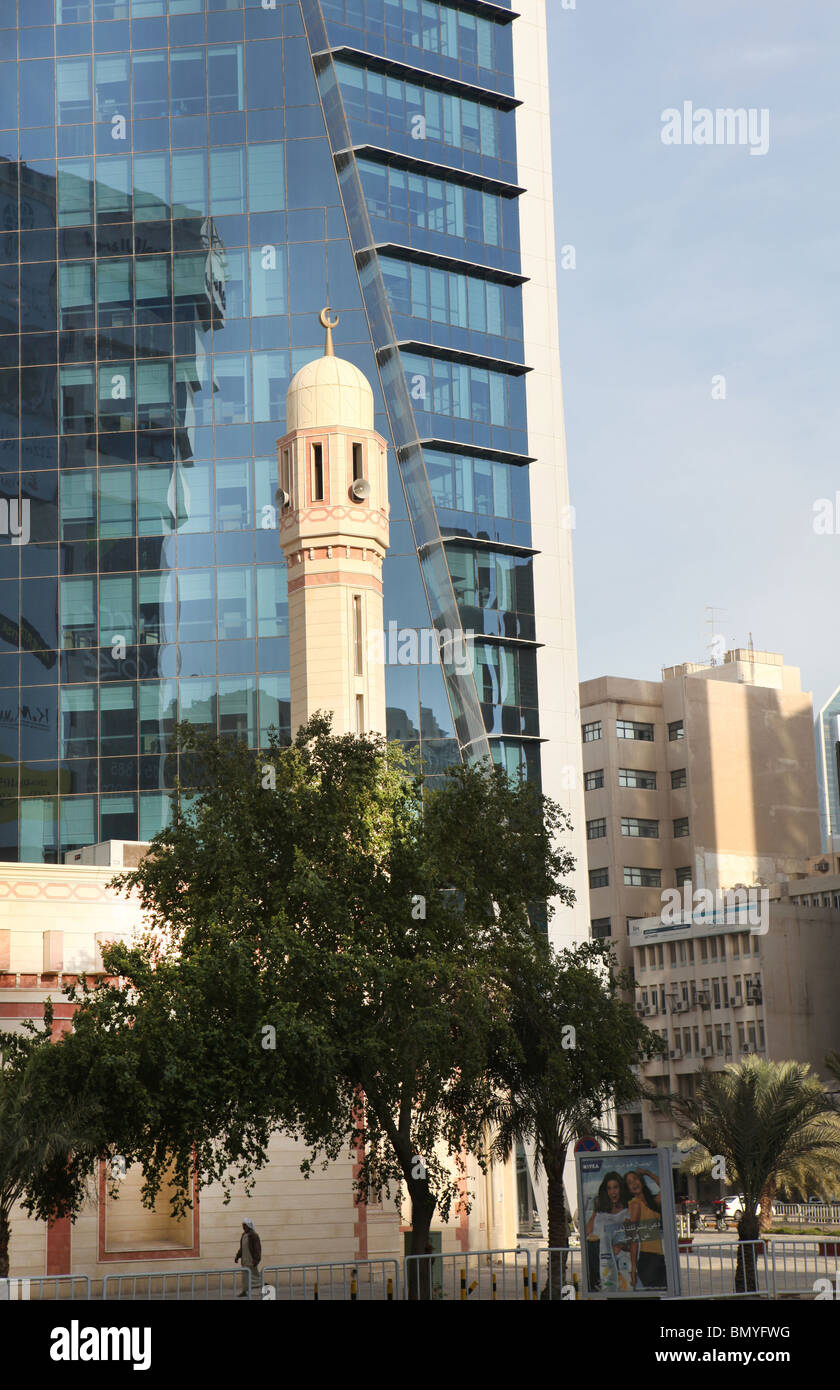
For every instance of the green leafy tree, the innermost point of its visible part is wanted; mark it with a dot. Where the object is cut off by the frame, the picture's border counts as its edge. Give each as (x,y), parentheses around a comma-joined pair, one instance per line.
(45,1154)
(769,1121)
(578,1046)
(328,954)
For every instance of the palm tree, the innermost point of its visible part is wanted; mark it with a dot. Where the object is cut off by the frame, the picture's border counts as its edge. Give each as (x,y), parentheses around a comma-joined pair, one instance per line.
(773,1124)
(576,1044)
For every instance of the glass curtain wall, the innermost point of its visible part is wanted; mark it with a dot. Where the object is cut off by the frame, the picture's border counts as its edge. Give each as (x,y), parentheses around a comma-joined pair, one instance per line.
(171,222)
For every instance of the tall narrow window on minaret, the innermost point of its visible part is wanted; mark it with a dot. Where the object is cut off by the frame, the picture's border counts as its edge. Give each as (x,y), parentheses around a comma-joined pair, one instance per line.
(358,465)
(360,714)
(317,473)
(357,634)
(286,478)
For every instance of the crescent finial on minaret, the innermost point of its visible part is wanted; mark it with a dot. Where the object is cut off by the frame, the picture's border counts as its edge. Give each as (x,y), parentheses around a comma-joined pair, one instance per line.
(329,324)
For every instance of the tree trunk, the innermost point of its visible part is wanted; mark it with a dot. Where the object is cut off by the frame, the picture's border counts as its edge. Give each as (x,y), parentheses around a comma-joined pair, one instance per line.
(422,1210)
(767,1197)
(558,1226)
(746,1280)
(5,1233)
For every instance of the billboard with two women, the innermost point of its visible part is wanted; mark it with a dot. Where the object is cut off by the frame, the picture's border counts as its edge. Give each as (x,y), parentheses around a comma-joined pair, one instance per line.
(627,1223)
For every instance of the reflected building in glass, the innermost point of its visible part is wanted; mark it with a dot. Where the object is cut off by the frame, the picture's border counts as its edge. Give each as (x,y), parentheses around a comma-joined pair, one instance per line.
(828,771)
(184,184)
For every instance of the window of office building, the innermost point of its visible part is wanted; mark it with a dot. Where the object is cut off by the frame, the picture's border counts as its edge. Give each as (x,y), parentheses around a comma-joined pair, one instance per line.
(600,927)
(630,728)
(596,829)
(683,875)
(635,777)
(593,780)
(678,778)
(592,732)
(645,829)
(676,730)
(680,827)
(642,878)
(599,878)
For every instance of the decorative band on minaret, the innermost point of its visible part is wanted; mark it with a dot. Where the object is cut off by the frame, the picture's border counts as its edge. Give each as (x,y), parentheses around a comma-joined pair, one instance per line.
(333,524)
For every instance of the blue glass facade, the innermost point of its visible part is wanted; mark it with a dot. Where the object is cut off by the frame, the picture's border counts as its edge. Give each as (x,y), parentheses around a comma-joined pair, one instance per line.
(183,186)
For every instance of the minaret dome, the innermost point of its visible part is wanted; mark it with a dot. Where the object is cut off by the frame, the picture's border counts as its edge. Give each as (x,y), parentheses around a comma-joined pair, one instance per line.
(329,389)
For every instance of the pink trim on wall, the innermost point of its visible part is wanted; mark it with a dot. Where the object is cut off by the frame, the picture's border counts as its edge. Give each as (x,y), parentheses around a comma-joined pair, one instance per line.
(59,1244)
(360,1230)
(8,1009)
(462,1235)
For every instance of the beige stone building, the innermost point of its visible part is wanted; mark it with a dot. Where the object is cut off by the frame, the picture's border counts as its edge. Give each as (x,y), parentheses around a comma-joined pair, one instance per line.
(55,919)
(706,780)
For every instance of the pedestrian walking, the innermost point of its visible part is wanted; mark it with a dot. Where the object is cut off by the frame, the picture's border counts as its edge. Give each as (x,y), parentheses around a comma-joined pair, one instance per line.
(250,1253)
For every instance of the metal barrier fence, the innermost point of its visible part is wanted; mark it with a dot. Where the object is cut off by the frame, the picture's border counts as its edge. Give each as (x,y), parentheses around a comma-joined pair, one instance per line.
(558,1273)
(46,1288)
(808,1213)
(797,1265)
(179,1285)
(767,1269)
(780,1268)
(480,1275)
(712,1271)
(364,1281)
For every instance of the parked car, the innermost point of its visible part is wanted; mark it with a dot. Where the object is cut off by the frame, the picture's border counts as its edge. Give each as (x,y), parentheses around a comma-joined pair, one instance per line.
(733,1208)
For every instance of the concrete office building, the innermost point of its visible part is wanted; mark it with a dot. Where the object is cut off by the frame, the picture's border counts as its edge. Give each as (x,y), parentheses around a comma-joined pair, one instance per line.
(706,780)
(716,989)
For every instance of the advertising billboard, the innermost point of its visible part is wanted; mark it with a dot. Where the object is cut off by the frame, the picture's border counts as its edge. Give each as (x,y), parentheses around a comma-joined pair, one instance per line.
(627,1224)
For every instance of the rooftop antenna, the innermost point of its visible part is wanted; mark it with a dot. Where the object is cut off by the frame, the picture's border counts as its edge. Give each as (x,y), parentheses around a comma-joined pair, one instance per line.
(718,641)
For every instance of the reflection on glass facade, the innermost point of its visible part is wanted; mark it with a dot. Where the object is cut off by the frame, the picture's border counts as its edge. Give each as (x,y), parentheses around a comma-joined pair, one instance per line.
(178,199)
(828,770)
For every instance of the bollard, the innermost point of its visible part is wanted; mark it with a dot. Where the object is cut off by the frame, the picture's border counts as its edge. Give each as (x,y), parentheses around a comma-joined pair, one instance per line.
(353,1288)
(463,1285)
(473,1286)
(494,1285)
(316,1290)
(534,1285)
(525,1282)
(390,1291)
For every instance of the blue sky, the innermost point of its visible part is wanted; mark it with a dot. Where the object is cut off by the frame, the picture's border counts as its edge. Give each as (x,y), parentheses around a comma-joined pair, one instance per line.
(691,263)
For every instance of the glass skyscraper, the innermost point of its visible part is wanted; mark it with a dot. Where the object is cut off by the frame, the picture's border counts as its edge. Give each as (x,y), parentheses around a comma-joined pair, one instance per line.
(184,184)
(828,770)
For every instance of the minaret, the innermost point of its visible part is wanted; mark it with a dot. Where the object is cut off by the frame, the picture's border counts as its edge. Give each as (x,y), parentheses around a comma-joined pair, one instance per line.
(333,521)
